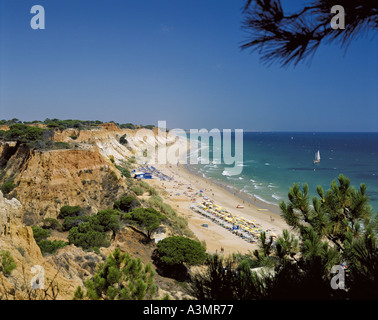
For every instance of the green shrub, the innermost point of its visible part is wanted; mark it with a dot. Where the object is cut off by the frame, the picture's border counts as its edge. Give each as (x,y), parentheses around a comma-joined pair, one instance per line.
(70,222)
(90,232)
(180,250)
(7,264)
(151,190)
(40,233)
(123,140)
(48,246)
(127,203)
(107,219)
(7,187)
(120,278)
(51,223)
(70,211)
(125,172)
(131,160)
(87,237)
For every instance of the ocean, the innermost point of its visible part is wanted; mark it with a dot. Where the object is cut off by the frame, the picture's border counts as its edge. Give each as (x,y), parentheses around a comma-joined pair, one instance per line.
(273,161)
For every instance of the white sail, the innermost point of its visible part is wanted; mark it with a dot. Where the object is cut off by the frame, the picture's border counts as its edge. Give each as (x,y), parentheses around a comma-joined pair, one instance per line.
(317,156)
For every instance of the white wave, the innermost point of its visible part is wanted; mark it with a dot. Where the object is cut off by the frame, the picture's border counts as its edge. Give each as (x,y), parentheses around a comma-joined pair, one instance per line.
(262,200)
(276,197)
(267,163)
(250,161)
(226,173)
(241,178)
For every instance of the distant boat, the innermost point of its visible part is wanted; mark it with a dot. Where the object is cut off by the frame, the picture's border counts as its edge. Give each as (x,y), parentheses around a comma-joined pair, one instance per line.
(317,157)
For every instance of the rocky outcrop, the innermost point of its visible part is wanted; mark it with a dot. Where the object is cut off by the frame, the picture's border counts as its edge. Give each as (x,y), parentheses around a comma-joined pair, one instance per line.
(62,273)
(47,180)
(85,175)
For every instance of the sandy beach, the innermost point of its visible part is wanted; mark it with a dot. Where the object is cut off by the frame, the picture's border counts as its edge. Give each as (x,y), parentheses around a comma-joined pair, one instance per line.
(182,193)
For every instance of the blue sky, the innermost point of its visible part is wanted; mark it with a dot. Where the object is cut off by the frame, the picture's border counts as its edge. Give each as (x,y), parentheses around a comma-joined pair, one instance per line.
(174,60)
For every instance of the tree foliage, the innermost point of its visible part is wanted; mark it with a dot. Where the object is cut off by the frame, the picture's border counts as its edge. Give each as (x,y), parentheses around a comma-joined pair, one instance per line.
(337,229)
(7,264)
(226,279)
(127,203)
(7,187)
(34,137)
(91,232)
(121,278)
(291,38)
(46,246)
(70,211)
(181,250)
(148,219)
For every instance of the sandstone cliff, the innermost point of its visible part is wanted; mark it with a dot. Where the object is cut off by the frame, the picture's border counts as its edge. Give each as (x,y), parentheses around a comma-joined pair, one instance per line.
(44,181)
(62,272)
(85,176)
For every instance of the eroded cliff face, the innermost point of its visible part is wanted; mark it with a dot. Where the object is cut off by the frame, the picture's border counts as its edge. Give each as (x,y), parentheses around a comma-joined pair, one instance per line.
(63,272)
(107,140)
(85,176)
(48,180)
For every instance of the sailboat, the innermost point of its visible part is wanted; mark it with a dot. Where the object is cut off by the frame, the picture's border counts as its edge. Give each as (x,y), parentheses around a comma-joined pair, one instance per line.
(317,157)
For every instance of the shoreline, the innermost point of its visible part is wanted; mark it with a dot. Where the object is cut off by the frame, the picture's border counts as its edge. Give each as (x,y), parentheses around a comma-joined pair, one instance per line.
(181,194)
(238,193)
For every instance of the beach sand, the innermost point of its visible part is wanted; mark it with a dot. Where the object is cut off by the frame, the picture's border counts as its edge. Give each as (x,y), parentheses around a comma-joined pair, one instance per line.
(218,239)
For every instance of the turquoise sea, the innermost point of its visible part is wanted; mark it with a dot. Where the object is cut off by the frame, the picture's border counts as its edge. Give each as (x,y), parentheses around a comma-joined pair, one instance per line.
(273,161)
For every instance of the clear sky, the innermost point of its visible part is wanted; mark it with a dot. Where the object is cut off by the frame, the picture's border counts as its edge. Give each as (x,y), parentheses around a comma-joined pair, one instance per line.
(174,60)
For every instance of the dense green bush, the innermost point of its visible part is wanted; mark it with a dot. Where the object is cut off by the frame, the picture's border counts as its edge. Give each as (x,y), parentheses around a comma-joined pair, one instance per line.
(107,220)
(7,264)
(70,211)
(70,222)
(127,203)
(87,237)
(74,124)
(120,278)
(22,132)
(181,250)
(51,223)
(40,233)
(93,232)
(48,246)
(34,137)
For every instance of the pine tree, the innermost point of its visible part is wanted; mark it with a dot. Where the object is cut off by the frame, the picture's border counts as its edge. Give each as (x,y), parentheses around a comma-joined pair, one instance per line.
(337,229)
(293,38)
(120,278)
